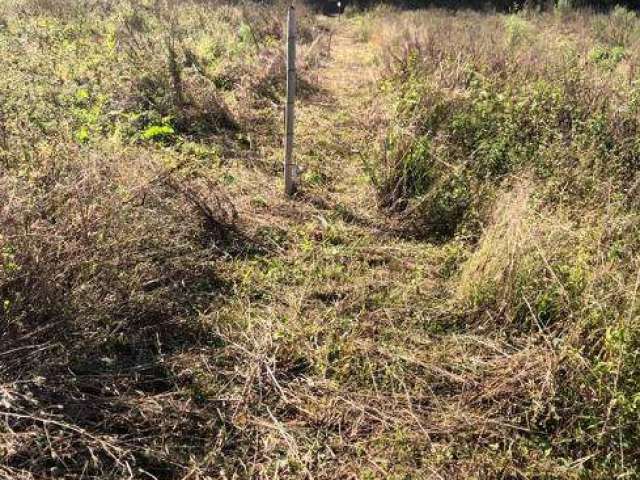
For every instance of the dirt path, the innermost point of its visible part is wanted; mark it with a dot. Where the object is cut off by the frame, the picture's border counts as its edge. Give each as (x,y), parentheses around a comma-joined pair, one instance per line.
(350,74)
(333,126)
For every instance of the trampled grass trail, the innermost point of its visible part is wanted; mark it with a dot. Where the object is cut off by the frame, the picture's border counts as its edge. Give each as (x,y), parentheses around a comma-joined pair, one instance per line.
(333,334)
(335,125)
(350,360)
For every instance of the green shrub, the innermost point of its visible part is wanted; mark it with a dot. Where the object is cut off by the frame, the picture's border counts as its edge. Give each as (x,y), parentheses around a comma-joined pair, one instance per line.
(608,58)
(550,127)
(518,30)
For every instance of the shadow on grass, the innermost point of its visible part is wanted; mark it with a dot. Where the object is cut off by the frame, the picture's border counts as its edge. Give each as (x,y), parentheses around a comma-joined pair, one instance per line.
(97,371)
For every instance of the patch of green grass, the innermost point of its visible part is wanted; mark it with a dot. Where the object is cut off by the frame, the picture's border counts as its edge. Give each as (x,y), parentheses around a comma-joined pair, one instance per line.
(158,132)
(608,58)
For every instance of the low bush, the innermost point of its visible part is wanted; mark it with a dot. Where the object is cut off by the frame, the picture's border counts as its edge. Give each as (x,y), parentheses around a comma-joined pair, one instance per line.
(470,119)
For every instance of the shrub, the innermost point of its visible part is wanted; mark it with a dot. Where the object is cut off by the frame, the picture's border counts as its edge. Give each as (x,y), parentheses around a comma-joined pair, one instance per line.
(155,132)
(518,30)
(609,58)
(457,141)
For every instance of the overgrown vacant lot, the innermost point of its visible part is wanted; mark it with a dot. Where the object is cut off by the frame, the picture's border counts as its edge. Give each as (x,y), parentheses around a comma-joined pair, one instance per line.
(451,294)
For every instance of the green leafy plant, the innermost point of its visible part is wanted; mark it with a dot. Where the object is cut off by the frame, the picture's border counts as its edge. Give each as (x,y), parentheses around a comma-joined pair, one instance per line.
(608,58)
(158,132)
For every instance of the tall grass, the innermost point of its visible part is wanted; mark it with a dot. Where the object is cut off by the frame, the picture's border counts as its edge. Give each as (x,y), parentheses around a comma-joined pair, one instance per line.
(517,135)
(115,117)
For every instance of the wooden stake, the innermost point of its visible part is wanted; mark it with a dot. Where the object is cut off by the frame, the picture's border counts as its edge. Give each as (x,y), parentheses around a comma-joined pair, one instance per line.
(289,174)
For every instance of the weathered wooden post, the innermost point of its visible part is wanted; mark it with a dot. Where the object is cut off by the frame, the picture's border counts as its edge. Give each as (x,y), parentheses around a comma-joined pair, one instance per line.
(289,167)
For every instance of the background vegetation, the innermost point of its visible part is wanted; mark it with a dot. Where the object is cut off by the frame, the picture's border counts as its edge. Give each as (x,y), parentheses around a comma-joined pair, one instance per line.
(504,6)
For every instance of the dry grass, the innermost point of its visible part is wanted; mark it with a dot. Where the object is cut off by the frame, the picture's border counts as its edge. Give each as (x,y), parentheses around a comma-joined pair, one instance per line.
(167,313)
(493,145)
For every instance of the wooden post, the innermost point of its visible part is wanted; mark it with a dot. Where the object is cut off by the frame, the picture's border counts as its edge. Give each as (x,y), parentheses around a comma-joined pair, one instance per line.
(289,181)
